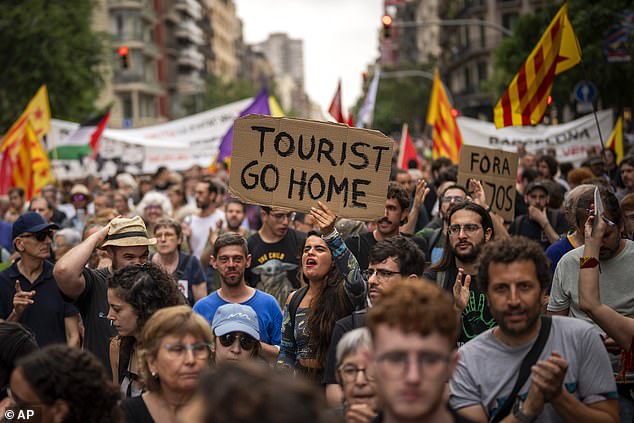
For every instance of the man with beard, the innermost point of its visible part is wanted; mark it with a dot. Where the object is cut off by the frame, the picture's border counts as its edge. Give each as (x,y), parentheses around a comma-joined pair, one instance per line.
(626,170)
(414,329)
(571,379)
(276,249)
(395,215)
(231,258)
(125,241)
(469,227)
(199,226)
(541,224)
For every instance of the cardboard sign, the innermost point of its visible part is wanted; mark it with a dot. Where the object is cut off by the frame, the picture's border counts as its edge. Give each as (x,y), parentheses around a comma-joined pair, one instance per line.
(497,170)
(291,163)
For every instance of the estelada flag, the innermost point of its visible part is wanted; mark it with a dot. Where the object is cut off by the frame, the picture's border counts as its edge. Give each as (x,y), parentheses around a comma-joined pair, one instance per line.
(616,140)
(446,136)
(37,112)
(407,152)
(525,100)
(335,105)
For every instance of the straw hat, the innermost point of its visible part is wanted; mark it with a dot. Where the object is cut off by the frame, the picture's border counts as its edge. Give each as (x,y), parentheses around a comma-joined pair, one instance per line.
(126,232)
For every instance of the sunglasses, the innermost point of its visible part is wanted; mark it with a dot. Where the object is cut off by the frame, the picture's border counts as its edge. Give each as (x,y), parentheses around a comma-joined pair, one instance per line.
(78,197)
(39,236)
(247,342)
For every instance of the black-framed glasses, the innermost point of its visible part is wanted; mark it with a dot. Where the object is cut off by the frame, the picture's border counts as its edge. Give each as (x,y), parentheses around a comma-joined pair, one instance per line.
(247,342)
(39,236)
(469,228)
(381,274)
(178,350)
(349,373)
(394,365)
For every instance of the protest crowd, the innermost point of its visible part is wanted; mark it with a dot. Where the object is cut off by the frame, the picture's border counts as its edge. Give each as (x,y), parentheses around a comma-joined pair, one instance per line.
(160,298)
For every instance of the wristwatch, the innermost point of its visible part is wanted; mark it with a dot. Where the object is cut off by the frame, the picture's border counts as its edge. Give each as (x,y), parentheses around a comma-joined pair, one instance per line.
(518,412)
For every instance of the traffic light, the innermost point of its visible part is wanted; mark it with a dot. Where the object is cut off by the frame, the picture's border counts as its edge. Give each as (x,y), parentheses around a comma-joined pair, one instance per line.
(124,54)
(387,24)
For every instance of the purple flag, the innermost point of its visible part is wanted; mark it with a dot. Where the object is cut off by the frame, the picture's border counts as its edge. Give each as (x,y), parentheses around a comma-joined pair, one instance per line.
(259,106)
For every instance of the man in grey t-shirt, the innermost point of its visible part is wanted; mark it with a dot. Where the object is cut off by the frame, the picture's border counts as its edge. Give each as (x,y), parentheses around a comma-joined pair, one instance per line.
(572,379)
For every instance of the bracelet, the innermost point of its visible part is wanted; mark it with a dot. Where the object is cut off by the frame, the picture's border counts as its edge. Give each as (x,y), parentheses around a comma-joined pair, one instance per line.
(588,262)
(333,234)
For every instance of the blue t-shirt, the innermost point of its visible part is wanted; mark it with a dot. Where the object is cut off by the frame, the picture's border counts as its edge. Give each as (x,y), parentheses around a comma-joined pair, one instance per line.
(556,251)
(264,305)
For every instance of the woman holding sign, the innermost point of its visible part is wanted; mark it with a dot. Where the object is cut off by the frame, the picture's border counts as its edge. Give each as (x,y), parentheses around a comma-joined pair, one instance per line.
(311,311)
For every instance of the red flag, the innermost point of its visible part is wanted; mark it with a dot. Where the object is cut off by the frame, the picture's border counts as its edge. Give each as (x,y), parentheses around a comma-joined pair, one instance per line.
(407,152)
(350,121)
(96,136)
(335,106)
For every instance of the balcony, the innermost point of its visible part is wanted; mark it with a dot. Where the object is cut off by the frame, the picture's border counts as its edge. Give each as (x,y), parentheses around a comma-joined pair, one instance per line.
(190,83)
(190,8)
(190,31)
(191,58)
(146,7)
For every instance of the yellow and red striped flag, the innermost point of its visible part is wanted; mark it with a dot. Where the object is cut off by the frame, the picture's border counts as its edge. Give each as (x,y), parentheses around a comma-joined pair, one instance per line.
(525,100)
(616,140)
(446,137)
(24,161)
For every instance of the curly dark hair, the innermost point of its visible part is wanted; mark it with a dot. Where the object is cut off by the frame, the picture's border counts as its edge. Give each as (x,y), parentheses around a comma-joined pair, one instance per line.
(246,392)
(147,288)
(398,193)
(17,341)
(331,305)
(404,251)
(510,250)
(58,372)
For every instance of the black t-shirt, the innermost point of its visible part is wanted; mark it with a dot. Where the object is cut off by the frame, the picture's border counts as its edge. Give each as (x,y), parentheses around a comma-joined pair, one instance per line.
(360,246)
(135,411)
(45,317)
(476,317)
(523,225)
(93,306)
(343,326)
(276,264)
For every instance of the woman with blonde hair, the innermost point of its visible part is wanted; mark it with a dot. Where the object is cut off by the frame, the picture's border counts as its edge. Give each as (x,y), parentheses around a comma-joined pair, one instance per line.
(175,348)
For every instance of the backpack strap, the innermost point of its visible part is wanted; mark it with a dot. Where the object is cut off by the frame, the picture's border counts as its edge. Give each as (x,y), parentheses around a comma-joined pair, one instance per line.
(525,369)
(180,271)
(433,239)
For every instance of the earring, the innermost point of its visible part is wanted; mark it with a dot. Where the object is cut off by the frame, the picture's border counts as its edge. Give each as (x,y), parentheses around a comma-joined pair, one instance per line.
(153,374)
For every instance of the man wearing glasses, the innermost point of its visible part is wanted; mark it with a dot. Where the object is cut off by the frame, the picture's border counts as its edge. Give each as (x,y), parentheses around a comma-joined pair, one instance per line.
(275,250)
(28,292)
(469,227)
(390,261)
(414,328)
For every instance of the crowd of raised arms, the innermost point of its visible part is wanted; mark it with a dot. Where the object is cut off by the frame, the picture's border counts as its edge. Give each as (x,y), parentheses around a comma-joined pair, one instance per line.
(159,298)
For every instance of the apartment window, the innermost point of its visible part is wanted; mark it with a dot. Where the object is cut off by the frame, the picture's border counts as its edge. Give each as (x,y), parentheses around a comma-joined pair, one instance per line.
(509,19)
(126,105)
(483,39)
(467,42)
(482,71)
(467,79)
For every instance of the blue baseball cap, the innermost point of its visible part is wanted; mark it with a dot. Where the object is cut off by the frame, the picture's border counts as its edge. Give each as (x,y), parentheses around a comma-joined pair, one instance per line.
(236,318)
(30,222)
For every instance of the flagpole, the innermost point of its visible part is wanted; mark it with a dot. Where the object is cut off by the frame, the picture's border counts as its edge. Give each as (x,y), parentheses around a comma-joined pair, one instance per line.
(594,109)
(401,148)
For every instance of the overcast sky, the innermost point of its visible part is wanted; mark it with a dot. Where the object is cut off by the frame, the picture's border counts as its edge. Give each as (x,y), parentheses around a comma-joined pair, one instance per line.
(340,39)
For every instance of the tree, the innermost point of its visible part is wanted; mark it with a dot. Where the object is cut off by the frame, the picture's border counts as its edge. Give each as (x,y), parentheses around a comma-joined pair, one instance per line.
(218,93)
(400,100)
(49,42)
(591,21)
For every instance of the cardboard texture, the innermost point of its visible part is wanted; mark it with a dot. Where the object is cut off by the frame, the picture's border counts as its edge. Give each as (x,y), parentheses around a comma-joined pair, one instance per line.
(291,163)
(497,170)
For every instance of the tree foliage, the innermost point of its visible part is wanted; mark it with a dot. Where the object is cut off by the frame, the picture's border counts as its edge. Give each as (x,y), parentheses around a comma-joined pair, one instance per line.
(218,93)
(49,42)
(400,100)
(591,20)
